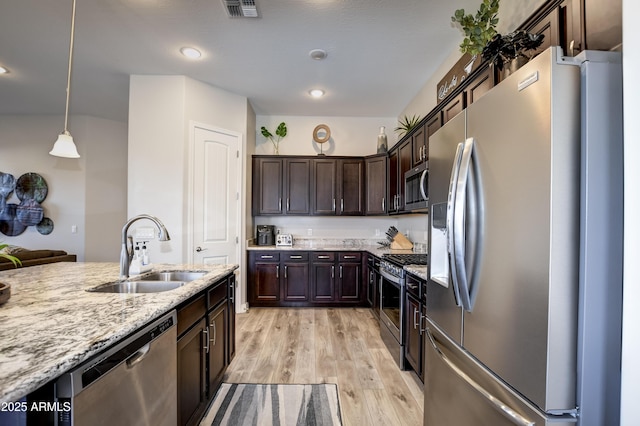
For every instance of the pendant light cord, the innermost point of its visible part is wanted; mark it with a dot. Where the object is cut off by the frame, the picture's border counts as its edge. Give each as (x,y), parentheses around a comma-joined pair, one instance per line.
(73,27)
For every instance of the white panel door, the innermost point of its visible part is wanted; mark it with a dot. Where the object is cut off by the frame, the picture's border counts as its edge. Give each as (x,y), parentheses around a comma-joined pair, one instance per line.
(215,196)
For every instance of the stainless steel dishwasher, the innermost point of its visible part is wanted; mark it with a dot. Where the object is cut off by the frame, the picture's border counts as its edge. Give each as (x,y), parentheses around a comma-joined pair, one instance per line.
(132,383)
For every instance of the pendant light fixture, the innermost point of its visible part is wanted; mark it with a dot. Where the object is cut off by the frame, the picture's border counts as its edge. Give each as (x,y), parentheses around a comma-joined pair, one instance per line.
(64,146)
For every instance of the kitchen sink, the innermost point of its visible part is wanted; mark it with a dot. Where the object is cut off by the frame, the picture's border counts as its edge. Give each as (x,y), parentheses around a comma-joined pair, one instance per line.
(184,276)
(155,282)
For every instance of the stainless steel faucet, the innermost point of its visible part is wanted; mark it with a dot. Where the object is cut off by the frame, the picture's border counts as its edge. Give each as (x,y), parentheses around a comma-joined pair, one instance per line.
(126,254)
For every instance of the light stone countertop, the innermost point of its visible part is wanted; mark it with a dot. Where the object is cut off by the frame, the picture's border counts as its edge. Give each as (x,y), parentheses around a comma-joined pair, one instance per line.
(51,324)
(419,271)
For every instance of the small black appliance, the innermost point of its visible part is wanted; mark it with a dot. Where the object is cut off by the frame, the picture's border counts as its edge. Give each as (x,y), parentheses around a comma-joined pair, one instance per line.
(266,235)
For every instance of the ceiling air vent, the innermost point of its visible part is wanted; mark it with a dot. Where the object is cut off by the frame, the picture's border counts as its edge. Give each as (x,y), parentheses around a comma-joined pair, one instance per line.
(241,8)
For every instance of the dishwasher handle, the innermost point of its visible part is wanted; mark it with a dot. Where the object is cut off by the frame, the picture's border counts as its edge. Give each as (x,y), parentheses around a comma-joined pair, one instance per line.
(138,356)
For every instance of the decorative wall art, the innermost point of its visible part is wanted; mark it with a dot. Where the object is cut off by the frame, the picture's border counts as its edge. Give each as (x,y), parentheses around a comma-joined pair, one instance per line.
(31,189)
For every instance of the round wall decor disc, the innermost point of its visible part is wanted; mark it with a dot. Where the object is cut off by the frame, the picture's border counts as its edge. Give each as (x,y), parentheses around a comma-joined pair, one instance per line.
(321,133)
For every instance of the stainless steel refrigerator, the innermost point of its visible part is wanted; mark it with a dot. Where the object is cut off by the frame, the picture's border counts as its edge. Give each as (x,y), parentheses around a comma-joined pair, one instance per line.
(525,276)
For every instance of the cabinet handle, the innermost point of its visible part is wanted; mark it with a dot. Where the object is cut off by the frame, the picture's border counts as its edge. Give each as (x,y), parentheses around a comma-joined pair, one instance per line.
(341,204)
(266,256)
(571,46)
(340,271)
(277,271)
(412,286)
(279,204)
(206,340)
(285,271)
(415,318)
(333,205)
(422,329)
(288,209)
(348,256)
(333,272)
(213,324)
(383,203)
(323,257)
(299,256)
(420,156)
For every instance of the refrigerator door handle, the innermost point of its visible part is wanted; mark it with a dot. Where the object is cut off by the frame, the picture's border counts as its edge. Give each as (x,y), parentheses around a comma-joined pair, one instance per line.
(459,267)
(500,406)
(451,202)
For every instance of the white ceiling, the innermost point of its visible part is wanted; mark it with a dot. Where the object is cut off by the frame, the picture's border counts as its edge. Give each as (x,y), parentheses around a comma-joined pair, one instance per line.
(380,52)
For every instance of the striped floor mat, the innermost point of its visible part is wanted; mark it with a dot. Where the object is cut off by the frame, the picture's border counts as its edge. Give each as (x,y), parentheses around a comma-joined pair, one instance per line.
(265,404)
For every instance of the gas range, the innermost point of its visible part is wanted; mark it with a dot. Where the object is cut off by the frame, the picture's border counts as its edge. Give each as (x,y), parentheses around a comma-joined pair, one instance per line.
(392,265)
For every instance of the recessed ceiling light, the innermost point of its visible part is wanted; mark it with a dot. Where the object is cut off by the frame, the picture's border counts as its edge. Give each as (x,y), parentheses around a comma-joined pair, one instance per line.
(316,93)
(3,70)
(318,54)
(191,53)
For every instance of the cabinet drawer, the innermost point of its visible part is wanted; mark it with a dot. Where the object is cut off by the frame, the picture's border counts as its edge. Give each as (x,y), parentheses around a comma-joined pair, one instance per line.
(191,313)
(217,295)
(301,256)
(323,256)
(350,257)
(269,256)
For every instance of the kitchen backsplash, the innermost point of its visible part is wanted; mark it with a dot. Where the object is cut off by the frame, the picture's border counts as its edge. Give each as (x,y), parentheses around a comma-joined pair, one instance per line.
(345,228)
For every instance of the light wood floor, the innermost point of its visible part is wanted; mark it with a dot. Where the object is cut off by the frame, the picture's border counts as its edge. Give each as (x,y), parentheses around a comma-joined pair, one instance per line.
(332,345)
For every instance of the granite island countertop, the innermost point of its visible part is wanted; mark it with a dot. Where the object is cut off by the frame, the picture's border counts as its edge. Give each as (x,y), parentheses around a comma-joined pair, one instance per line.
(52,324)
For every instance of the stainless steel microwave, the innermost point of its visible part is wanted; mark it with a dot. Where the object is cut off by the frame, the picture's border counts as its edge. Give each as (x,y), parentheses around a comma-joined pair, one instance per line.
(416,184)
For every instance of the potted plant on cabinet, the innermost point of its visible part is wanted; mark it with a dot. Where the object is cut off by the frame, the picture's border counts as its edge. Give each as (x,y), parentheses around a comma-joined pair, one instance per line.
(406,124)
(511,49)
(478,29)
(281,132)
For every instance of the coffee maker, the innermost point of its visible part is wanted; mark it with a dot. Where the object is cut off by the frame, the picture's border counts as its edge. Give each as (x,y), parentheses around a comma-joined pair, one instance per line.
(266,235)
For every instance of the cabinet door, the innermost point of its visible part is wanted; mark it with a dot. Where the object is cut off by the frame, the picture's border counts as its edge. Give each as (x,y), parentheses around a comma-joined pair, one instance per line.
(405,162)
(394,162)
(231,325)
(480,85)
(376,185)
(419,145)
(571,31)
(192,383)
(323,282)
(296,282)
(432,126)
(349,282)
(217,348)
(296,186)
(323,187)
(413,336)
(265,285)
(267,186)
(602,24)
(453,108)
(350,187)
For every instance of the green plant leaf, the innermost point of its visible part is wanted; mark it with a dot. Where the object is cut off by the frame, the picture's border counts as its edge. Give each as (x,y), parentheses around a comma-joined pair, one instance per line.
(265,132)
(281,130)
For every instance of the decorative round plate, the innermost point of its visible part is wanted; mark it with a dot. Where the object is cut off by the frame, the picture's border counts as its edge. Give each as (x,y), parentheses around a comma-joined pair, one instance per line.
(7,185)
(45,227)
(29,212)
(9,223)
(31,186)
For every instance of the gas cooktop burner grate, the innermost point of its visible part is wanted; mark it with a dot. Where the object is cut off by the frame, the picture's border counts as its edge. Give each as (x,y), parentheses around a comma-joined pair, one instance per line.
(406,259)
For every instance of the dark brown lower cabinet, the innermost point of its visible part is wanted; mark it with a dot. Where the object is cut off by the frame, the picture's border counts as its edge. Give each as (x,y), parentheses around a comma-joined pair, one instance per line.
(305,278)
(192,386)
(413,334)
(205,329)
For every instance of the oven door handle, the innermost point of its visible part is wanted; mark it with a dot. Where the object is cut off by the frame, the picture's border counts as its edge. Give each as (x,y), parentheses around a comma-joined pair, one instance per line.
(391,278)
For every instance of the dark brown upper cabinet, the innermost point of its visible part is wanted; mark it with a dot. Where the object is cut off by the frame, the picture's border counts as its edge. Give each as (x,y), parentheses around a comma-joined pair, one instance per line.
(281,186)
(375,169)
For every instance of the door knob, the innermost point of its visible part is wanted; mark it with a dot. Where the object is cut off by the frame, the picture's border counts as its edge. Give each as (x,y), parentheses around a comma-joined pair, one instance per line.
(199,249)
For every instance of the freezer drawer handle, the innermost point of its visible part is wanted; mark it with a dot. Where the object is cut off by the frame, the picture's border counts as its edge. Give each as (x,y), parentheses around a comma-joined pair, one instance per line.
(503,408)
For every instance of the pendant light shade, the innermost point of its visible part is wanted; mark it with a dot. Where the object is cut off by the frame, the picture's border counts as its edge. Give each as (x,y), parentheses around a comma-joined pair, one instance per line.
(64,146)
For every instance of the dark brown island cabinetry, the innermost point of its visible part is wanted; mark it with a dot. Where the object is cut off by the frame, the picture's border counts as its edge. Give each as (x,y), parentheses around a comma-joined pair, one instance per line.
(281,186)
(206,331)
(301,278)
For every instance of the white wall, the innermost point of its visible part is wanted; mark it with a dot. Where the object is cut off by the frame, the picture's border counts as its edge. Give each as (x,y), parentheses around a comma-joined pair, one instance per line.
(77,197)
(349,135)
(161,110)
(631,314)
